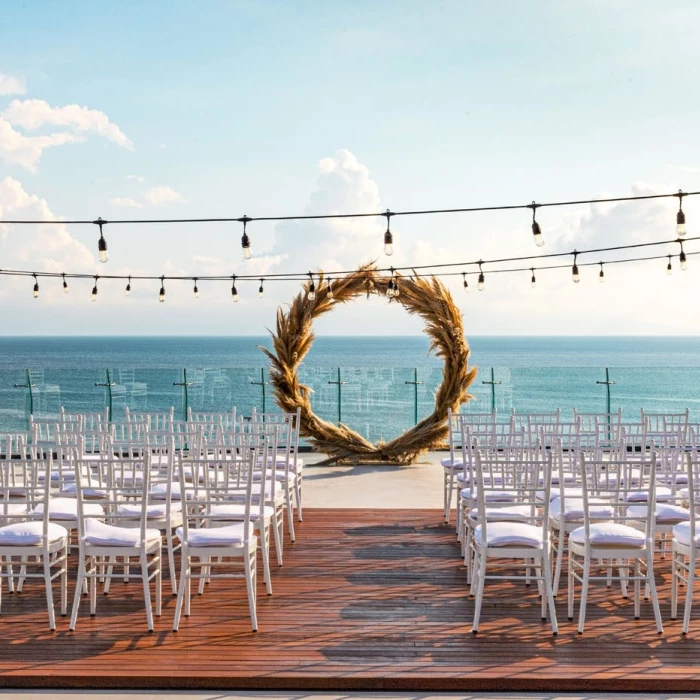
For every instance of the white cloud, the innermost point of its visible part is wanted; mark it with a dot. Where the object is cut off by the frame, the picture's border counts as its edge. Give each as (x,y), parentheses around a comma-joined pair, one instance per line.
(34,114)
(162,195)
(135,178)
(18,149)
(48,248)
(11,85)
(125,202)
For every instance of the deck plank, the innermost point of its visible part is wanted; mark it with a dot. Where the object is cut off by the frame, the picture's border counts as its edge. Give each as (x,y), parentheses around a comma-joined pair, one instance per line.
(366,600)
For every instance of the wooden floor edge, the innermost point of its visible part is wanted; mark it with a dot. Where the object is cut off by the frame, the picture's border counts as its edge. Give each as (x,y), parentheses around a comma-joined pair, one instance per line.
(653,684)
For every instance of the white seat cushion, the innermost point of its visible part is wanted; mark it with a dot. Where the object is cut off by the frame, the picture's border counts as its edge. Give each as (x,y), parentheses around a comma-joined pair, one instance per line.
(665,513)
(236,511)
(67,509)
(573,509)
(295,465)
(609,535)
(504,514)
(681,532)
(153,510)
(12,510)
(214,536)
(100,534)
(569,492)
(30,533)
(495,496)
(450,463)
(159,492)
(662,493)
(279,476)
(510,534)
(88,491)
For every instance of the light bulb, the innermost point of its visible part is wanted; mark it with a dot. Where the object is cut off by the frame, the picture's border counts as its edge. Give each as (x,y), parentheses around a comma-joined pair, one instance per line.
(127,291)
(601,275)
(196,292)
(161,293)
(104,255)
(539,240)
(93,296)
(574,274)
(533,281)
(330,289)
(261,291)
(388,243)
(397,290)
(312,295)
(234,294)
(312,288)
(35,293)
(390,289)
(245,241)
(684,262)
(65,285)
(480,283)
(669,268)
(102,243)
(465,284)
(680,216)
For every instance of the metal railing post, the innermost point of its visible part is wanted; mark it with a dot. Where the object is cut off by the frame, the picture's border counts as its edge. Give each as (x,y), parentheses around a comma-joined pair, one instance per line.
(28,385)
(108,385)
(262,384)
(493,383)
(340,399)
(186,396)
(608,383)
(415,383)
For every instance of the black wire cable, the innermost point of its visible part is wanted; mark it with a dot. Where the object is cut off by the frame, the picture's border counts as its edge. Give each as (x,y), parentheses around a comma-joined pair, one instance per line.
(301,217)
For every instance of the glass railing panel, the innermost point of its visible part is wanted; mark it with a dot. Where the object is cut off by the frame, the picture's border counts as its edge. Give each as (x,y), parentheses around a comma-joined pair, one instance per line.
(154,390)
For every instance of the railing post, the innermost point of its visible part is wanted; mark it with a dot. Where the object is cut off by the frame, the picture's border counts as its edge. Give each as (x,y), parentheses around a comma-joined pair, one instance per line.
(608,383)
(262,384)
(108,384)
(493,383)
(340,399)
(415,383)
(28,385)
(186,396)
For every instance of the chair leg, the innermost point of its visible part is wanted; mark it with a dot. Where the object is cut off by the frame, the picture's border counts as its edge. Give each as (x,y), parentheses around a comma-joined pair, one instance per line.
(184,577)
(689,594)
(549,592)
(78,592)
(637,586)
(250,565)
(561,535)
(265,549)
(171,559)
(49,591)
(64,581)
(480,573)
(297,495)
(674,584)
(159,586)
(651,582)
(290,512)
(584,593)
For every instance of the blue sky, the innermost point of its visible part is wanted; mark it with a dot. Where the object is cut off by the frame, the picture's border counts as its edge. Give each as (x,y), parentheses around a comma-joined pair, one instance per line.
(263,108)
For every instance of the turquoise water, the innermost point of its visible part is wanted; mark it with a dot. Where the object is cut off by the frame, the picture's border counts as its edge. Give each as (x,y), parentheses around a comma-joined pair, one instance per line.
(377,398)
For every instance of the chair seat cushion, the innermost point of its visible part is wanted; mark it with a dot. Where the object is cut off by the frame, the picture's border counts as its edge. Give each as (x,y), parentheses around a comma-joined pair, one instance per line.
(100,534)
(569,492)
(67,509)
(495,496)
(214,536)
(450,463)
(153,510)
(30,533)
(665,513)
(12,510)
(681,532)
(71,490)
(236,511)
(573,509)
(295,465)
(160,491)
(510,534)
(504,514)
(280,475)
(662,493)
(609,535)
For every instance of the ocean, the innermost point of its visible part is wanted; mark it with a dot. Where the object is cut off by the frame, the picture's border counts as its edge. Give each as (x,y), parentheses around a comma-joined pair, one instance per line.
(378,396)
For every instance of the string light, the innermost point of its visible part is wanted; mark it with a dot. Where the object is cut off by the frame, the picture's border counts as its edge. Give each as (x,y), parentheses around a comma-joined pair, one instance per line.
(480,283)
(93,296)
(161,293)
(330,288)
(261,291)
(601,274)
(65,284)
(680,216)
(683,259)
(669,267)
(196,290)
(574,270)
(127,291)
(397,289)
(102,243)
(388,238)
(536,230)
(234,291)
(36,287)
(390,285)
(533,281)
(312,288)
(465,284)
(245,241)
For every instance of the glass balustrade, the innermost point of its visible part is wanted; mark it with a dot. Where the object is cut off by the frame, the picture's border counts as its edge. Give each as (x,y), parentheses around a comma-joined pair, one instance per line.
(379,403)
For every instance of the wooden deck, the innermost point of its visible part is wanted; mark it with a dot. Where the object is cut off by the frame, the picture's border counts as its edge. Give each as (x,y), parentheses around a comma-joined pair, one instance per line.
(366,600)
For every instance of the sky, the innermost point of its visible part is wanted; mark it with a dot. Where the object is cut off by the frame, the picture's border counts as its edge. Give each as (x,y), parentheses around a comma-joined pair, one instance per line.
(175,109)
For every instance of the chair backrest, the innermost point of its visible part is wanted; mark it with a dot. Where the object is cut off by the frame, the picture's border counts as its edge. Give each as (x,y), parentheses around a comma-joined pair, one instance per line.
(156,421)
(590,421)
(517,482)
(226,419)
(621,484)
(293,418)
(536,419)
(693,472)
(658,422)
(24,484)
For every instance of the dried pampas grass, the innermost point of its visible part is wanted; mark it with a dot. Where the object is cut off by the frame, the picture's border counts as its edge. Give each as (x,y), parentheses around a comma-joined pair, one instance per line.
(426,297)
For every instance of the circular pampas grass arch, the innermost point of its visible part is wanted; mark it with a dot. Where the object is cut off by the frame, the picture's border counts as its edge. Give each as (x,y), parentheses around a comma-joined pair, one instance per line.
(426,297)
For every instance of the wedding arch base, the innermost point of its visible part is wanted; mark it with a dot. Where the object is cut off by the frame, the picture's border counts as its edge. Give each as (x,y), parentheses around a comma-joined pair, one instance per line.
(426,297)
